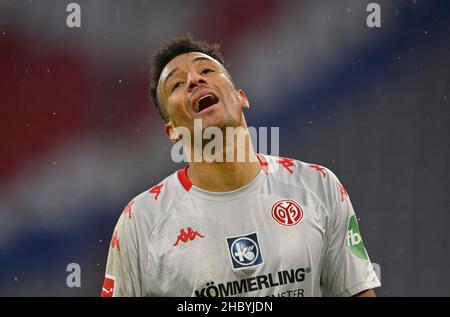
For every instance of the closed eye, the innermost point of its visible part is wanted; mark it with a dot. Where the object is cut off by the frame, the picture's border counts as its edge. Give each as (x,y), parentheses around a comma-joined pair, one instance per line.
(206,70)
(177,84)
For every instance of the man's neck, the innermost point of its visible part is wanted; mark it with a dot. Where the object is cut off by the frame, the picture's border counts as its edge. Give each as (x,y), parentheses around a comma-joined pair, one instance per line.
(224,176)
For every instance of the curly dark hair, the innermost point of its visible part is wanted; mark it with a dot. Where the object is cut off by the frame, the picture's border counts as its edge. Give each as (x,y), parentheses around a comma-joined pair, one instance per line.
(171,49)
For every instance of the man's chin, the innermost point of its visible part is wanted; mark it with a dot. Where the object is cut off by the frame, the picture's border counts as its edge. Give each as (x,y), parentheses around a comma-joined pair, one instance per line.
(219,123)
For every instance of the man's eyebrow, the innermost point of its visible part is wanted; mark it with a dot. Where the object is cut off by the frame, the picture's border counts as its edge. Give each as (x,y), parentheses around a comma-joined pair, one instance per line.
(197,59)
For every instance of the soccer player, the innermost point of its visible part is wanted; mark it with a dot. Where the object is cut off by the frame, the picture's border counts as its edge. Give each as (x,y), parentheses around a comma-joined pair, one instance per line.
(264,226)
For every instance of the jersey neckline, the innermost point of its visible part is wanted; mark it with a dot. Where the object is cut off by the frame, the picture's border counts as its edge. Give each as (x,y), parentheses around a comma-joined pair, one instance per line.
(229,195)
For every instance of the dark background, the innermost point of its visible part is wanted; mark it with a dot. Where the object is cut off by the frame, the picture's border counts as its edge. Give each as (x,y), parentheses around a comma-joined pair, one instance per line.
(79,138)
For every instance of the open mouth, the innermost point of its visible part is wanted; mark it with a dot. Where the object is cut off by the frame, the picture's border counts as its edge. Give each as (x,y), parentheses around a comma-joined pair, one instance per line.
(205,102)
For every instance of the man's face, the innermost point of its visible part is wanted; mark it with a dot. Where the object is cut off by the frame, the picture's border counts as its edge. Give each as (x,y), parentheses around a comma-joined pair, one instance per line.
(196,86)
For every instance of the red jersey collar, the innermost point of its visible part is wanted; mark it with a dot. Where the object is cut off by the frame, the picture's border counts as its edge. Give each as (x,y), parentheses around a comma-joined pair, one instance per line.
(187,184)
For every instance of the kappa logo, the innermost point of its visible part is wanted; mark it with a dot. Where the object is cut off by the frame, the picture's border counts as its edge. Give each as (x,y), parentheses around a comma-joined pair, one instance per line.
(319,169)
(287,212)
(342,192)
(190,235)
(108,286)
(286,163)
(115,240)
(244,251)
(128,209)
(156,190)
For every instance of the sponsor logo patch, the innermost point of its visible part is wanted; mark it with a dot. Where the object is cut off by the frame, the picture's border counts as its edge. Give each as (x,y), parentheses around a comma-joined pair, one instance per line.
(108,286)
(354,240)
(244,251)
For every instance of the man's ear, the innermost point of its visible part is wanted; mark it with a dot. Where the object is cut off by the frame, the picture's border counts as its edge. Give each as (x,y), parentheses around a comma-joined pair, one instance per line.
(171,133)
(244,101)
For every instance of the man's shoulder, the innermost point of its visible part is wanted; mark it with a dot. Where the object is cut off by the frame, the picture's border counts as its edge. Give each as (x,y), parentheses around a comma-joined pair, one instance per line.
(296,169)
(150,205)
(313,177)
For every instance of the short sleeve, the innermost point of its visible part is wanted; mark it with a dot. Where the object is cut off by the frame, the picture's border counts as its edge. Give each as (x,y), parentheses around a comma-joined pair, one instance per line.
(347,269)
(122,277)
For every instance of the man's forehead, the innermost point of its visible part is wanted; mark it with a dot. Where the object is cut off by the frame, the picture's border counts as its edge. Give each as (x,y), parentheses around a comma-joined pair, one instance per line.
(183,59)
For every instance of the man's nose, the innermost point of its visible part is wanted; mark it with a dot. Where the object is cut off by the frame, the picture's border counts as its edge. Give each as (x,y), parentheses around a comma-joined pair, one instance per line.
(195,80)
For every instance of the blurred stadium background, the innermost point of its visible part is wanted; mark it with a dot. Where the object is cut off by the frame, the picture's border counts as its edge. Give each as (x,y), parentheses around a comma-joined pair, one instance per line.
(79,138)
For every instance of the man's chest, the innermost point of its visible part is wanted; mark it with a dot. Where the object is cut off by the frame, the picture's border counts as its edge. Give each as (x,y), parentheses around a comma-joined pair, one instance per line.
(248,247)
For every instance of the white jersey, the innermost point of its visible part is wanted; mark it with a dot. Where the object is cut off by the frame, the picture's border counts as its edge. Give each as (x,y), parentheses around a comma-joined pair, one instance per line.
(290,232)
